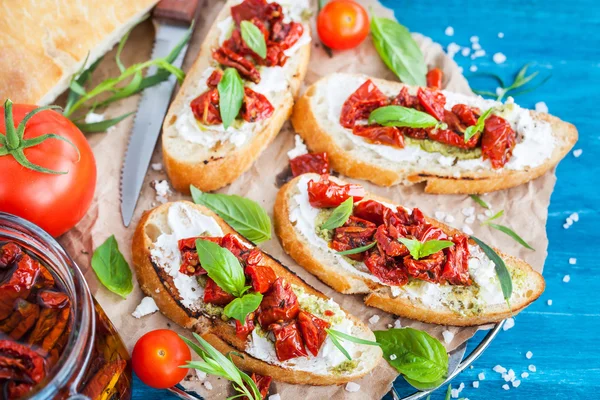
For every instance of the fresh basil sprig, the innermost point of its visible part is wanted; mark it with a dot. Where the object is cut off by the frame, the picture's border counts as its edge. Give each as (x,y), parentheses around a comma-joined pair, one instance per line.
(222,267)
(501,271)
(231,96)
(240,307)
(337,337)
(520,80)
(399,51)
(111,268)
(244,215)
(495,216)
(357,249)
(340,215)
(511,233)
(480,201)
(415,354)
(479,126)
(401,117)
(420,249)
(215,363)
(254,38)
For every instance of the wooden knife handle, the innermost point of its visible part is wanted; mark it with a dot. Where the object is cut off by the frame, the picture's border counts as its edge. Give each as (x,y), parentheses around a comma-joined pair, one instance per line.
(181,11)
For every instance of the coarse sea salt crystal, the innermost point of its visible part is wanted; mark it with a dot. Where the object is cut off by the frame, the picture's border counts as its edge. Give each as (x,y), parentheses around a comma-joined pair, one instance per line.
(393,357)
(465,51)
(574,217)
(500,35)
(499,369)
(275,396)
(476,384)
(566,279)
(374,319)
(449,31)
(532,368)
(481,376)
(474,39)
(525,375)
(467,229)
(476,46)
(577,153)
(200,374)
(499,58)
(488,213)
(352,387)
(505,387)
(508,324)
(540,106)
(572,261)
(448,336)
(473,68)
(528,355)
(157,166)
(449,219)
(397,324)
(549,302)
(470,220)
(440,215)
(91,118)
(208,385)
(452,49)
(516,383)
(468,211)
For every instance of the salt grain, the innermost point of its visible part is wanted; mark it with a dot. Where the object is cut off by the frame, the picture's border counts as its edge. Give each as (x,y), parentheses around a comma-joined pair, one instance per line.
(476,46)
(516,383)
(473,68)
(374,319)
(468,211)
(499,58)
(500,35)
(397,324)
(505,387)
(541,107)
(566,279)
(549,302)
(476,384)
(525,375)
(208,385)
(449,219)
(467,229)
(508,324)
(200,374)
(275,396)
(470,220)
(481,376)
(481,217)
(352,387)
(465,51)
(528,355)
(157,166)
(499,369)
(488,213)
(572,261)
(448,336)
(452,49)
(532,368)
(577,153)
(449,31)
(474,39)
(574,217)
(440,215)
(393,357)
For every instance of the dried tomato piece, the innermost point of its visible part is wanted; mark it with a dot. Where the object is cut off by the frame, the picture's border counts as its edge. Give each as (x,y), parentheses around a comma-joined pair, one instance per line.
(51,299)
(103,381)
(311,162)
(286,35)
(389,245)
(425,232)
(262,383)
(214,78)
(21,320)
(213,294)
(360,104)
(261,277)
(497,141)
(452,138)
(327,194)
(57,329)
(9,253)
(242,331)
(256,106)
(467,115)
(433,102)
(206,107)
(354,233)
(18,285)
(275,55)
(190,264)
(388,270)
(388,135)
(229,58)
(249,9)
(456,267)
(17,390)
(288,342)
(370,210)
(20,363)
(313,331)
(279,304)
(415,133)
(405,99)
(233,244)
(44,279)
(434,78)
(427,269)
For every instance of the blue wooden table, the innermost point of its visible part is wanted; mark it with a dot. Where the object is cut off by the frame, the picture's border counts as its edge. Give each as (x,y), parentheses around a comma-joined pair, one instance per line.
(561,38)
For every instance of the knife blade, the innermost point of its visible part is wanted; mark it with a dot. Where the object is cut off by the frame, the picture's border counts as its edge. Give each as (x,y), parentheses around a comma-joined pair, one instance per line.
(172,21)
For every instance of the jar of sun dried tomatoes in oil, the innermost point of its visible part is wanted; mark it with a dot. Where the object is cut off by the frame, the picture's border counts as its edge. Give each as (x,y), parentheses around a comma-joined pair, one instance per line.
(55,340)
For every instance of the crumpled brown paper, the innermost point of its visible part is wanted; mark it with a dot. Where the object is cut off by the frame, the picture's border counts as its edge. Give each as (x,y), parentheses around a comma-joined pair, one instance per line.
(525,206)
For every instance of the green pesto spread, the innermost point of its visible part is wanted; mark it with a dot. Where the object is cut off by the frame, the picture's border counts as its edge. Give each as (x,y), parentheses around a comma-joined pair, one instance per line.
(345,367)
(325,234)
(317,306)
(431,146)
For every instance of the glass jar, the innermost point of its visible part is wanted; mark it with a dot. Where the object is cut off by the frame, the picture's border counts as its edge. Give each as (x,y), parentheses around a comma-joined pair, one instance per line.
(94,363)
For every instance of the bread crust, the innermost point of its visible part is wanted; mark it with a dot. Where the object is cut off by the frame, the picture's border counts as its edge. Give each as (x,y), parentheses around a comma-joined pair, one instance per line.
(378,295)
(306,124)
(217,332)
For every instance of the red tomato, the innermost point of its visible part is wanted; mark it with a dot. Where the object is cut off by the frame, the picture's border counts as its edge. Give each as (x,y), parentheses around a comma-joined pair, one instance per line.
(157,356)
(342,24)
(52,201)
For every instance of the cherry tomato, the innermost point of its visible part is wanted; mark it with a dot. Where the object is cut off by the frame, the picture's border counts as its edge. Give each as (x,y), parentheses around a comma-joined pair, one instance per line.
(157,356)
(55,202)
(342,24)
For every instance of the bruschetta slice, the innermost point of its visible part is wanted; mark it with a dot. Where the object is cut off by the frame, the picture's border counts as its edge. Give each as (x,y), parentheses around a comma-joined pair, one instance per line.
(513,146)
(273,341)
(454,286)
(197,149)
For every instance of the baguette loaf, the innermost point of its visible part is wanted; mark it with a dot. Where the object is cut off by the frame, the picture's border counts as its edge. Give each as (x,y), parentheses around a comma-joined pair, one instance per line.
(179,297)
(210,157)
(542,141)
(477,304)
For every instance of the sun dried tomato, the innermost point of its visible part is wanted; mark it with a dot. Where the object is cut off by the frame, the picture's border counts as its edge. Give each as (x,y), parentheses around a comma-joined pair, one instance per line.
(16,390)
(310,162)
(370,210)
(356,232)
(51,299)
(433,102)
(456,267)
(497,141)
(279,304)
(214,78)
(256,106)
(261,277)
(467,115)
(427,269)
(389,245)
(450,136)
(9,253)
(242,331)
(388,270)
(19,284)
(229,58)
(388,135)
(21,320)
(405,99)
(327,194)
(288,342)
(213,294)
(98,386)
(20,363)
(401,218)
(206,107)
(275,55)
(249,9)
(360,104)
(415,133)
(434,78)
(190,265)
(425,232)
(262,383)
(312,330)
(286,34)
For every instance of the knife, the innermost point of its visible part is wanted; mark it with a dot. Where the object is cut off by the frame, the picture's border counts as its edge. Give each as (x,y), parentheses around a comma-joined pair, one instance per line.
(172,19)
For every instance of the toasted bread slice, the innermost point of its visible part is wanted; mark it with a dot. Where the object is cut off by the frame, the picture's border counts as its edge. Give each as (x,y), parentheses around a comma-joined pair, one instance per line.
(155,265)
(542,141)
(477,304)
(209,157)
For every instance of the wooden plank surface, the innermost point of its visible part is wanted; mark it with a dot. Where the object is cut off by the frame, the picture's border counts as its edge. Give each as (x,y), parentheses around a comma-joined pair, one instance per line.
(558,38)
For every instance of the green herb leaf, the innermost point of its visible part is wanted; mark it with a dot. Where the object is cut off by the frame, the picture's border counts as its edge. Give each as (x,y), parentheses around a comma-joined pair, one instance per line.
(418,356)
(425,386)
(231,96)
(501,270)
(495,216)
(402,117)
(448,392)
(511,233)
(254,38)
(340,215)
(357,249)
(479,126)
(480,201)
(420,249)
(120,50)
(244,215)
(77,88)
(337,337)
(242,306)
(222,267)
(399,51)
(111,268)
(101,126)
(337,343)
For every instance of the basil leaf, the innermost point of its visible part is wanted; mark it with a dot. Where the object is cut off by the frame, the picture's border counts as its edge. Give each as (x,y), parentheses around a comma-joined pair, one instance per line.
(231,96)
(401,116)
(357,249)
(254,38)
(420,249)
(350,338)
(399,51)
(102,126)
(111,268)
(244,215)
(479,126)
(511,233)
(480,201)
(242,306)
(222,267)
(418,356)
(340,215)
(425,386)
(501,270)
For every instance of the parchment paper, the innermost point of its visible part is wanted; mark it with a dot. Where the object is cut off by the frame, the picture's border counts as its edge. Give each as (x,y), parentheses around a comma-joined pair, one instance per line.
(525,206)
